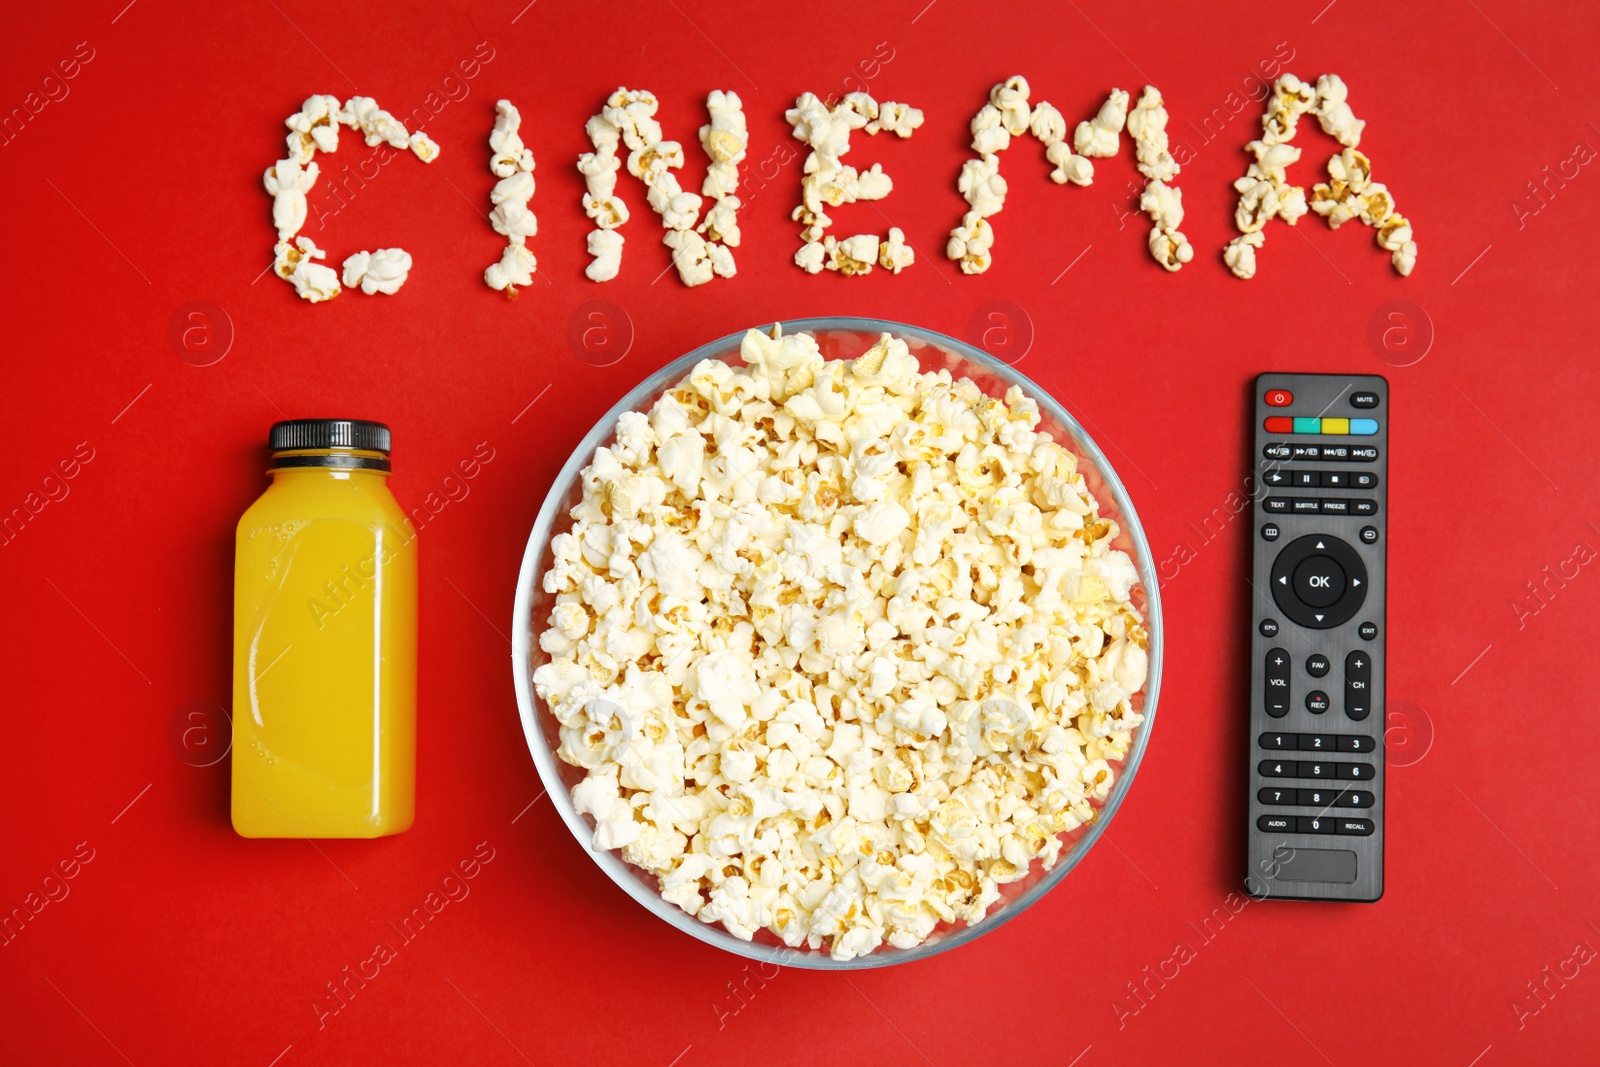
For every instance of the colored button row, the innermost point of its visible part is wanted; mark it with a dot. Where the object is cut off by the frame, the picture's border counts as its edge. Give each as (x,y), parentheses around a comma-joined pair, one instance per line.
(1343,427)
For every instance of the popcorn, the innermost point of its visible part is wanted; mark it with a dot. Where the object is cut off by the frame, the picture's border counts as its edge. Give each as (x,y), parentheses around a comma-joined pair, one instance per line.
(288,185)
(1169,248)
(515,268)
(383,271)
(970,243)
(853,255)
(1163,203)
(989,132)
(894,255)
(982,186)
(1010,97)
(840,693)
(1047,124)
(1097,137)
(700,248)
(812,257)
(297,264)
(1240,255)
(605,248)
(1334,113)
(898,119)
(314,128)
(512,163)
(422,146)
(1147,125)
(1350,193)
(827,182)
(1070,167)
(378,126)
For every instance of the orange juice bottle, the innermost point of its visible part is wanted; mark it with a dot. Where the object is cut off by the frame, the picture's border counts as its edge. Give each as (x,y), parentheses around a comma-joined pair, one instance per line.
(325,641)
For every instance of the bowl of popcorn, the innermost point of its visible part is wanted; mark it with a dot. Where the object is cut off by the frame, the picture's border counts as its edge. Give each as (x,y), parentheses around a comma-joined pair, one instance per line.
(838,643)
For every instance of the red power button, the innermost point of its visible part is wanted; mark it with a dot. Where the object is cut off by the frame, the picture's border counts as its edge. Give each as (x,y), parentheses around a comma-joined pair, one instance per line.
(1279,398)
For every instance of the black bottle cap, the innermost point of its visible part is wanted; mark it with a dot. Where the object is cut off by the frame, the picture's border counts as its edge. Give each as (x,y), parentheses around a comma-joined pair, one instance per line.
(298,434)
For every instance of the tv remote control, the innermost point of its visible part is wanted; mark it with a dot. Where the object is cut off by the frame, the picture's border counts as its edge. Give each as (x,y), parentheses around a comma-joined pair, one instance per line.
(1317,637)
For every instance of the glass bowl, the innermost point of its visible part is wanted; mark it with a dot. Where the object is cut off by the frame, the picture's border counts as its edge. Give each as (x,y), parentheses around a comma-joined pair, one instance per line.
(840,337)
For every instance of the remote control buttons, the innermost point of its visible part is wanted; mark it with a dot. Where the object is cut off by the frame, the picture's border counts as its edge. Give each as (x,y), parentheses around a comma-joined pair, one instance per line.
(1275,505)
(1363,480)
(1279,424)
(1369,535)
(1317,665)
(1305,478)
(1363,427)
(1319,581)
(1317,702)
(1270,532)
(1278,450)
(1278,398)
(1368,631)
(1314,798)
(1358,685)
(1361,400)
(1276,478)
(1269,627)
(1277,683)
(1276,824)
(1354,827)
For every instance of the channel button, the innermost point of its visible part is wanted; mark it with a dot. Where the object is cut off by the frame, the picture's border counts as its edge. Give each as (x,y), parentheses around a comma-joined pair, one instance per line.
(1358,685)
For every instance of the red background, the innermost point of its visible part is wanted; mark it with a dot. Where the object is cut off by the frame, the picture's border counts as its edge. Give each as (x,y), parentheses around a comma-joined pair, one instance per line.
(140,191)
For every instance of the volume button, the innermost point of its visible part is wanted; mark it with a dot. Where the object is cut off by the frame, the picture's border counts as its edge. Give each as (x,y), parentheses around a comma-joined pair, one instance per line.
(1276,689)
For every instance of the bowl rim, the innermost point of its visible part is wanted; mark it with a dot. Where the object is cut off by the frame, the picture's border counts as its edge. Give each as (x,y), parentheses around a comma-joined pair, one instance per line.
(619,871)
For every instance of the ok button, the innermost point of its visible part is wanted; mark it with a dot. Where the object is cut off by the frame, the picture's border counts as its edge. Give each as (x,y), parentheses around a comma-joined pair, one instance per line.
(1319,581)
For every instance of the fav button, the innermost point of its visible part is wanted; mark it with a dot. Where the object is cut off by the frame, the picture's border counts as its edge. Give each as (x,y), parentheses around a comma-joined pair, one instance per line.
(1279,398)
(1362,427)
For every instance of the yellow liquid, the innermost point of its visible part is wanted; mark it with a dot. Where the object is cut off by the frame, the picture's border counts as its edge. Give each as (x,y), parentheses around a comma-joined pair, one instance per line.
(324,658)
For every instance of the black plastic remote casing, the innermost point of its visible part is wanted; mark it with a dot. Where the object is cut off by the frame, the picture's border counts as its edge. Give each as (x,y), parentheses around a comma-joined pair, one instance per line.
(1317,635)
